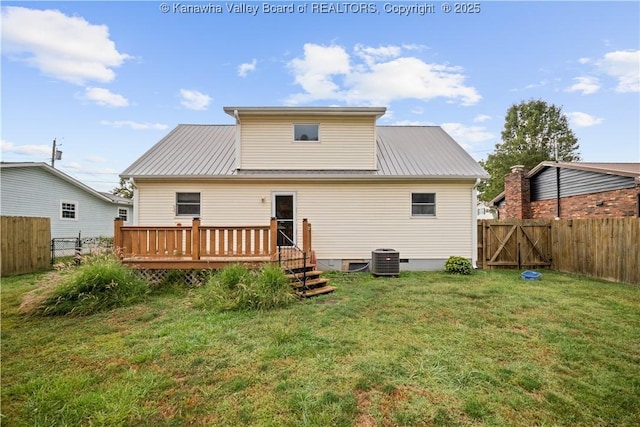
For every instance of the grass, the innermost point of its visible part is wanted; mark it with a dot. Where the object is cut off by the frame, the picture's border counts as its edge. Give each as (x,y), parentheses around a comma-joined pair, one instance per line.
(423,349)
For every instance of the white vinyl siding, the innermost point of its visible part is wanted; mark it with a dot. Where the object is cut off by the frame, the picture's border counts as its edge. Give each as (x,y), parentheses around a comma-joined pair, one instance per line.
(346,143)
(32,191)
(349,219)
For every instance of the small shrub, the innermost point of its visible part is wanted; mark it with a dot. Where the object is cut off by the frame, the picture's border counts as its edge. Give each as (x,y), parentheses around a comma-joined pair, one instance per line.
(100,283)
(237,288)
(458,265)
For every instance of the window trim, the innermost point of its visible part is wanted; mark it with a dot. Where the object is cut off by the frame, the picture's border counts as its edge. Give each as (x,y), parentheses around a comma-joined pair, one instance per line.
(434,204)
(76,210)
(293,138)
(126,214)
(199,204)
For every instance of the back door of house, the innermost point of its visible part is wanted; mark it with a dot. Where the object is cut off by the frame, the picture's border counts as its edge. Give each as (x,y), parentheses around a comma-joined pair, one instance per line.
(283,206)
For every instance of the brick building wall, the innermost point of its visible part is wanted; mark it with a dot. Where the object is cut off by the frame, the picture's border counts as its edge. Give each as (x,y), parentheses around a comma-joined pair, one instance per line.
(607,204)
(517,193)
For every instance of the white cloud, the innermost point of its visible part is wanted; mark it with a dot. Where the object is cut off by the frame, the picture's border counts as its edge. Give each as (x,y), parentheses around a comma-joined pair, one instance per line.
(194,100)
(105,97)
(26,150)
(480,118)
(95,159)
(315,72)
(375,76)
(584,60)
(371,55)
(244,69)
(624,66)
(582,120)
(133,125)
(467,135)
(66,47)
(541,83)
(586,85)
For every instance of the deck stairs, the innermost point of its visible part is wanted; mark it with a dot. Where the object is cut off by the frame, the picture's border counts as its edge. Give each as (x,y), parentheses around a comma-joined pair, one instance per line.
(305,278)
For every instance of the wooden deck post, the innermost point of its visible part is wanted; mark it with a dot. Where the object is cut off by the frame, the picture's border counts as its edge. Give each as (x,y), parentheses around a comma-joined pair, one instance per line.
(306,236)
(195,239)
(273,238)
(117,236)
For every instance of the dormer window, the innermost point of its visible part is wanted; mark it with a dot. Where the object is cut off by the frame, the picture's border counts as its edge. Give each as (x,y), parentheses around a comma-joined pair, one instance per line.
(306,132)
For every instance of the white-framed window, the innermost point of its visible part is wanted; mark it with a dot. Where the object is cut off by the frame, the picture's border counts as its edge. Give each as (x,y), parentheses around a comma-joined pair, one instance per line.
(188,204)
(423,204)
(123,214)
(306,132)
(68,210)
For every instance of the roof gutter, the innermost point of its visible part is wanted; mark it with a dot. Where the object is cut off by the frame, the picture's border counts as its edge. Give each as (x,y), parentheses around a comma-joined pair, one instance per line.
(308,177)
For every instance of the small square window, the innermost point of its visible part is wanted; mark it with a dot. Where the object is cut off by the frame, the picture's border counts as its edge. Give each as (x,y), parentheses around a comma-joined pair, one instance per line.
(122,214)
(188,204)
(306,132)
(68,210)
(423,204)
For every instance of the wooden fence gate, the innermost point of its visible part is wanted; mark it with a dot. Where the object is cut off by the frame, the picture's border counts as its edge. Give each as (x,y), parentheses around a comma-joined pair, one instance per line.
(514,244)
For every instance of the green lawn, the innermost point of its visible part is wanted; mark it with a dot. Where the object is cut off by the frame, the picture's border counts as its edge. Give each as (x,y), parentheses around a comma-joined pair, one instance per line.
(422,349)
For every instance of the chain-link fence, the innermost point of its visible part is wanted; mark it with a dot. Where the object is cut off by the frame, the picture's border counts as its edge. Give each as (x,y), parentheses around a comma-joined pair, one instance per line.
(73,248)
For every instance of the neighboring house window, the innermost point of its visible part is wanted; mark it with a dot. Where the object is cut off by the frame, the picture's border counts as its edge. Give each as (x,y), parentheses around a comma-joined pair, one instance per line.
(423,204)
(68,210)
(188,204)
(306,132)
(122,214)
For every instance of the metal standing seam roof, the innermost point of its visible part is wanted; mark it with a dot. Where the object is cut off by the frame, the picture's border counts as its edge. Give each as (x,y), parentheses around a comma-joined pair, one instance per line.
(208,151)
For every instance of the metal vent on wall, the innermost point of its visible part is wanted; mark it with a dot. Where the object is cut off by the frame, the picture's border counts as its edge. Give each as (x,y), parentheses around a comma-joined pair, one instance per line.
(385,262)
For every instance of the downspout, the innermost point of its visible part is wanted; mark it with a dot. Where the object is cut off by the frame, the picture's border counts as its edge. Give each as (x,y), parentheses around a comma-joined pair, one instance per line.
(557,192)
(136,204)
(474,224)
(238,136)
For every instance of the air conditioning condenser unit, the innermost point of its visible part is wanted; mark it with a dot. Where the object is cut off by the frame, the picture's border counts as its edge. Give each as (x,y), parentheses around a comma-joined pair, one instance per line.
(385,262)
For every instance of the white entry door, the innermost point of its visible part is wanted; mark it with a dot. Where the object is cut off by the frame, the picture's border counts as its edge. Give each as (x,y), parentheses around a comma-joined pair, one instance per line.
(283,208)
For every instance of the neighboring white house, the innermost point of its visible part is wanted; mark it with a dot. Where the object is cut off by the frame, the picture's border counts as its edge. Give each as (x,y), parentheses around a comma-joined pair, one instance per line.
(362,187)
(37,189)
(484,211)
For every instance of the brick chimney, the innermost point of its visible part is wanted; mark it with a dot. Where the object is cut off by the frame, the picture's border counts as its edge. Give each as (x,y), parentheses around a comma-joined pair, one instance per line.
(517,194)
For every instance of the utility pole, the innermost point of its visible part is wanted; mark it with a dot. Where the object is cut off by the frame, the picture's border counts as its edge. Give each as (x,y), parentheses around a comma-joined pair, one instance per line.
(55,154)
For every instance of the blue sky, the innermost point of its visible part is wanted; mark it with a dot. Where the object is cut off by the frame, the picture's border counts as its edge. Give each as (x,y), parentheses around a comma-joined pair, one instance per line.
(110,79)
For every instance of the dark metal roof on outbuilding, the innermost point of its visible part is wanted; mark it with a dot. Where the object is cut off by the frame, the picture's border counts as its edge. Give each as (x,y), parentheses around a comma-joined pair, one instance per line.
(208,151)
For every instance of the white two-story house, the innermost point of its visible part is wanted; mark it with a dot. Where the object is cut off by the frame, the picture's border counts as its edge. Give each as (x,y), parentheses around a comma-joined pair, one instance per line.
(362,186)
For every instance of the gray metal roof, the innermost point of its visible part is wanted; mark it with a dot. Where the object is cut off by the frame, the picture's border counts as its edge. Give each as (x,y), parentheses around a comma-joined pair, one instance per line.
(208,151)
(326,111)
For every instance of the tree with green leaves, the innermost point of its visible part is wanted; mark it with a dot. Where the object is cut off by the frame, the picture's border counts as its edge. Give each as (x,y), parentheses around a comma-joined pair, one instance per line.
(534,131)
(124,189)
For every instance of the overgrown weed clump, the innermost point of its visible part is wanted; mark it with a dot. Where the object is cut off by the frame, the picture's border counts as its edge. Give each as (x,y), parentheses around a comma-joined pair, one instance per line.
(100,283)
(236,287)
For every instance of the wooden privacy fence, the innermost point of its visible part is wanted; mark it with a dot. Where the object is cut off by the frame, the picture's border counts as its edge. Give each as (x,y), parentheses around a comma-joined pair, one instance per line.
(25,244)
(606,248)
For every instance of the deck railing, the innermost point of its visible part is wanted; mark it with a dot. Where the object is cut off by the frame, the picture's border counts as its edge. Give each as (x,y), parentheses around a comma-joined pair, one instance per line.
(198,242)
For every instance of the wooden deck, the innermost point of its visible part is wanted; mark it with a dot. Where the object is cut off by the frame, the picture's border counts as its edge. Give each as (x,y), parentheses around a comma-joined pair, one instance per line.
(203,247)
(199,247)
